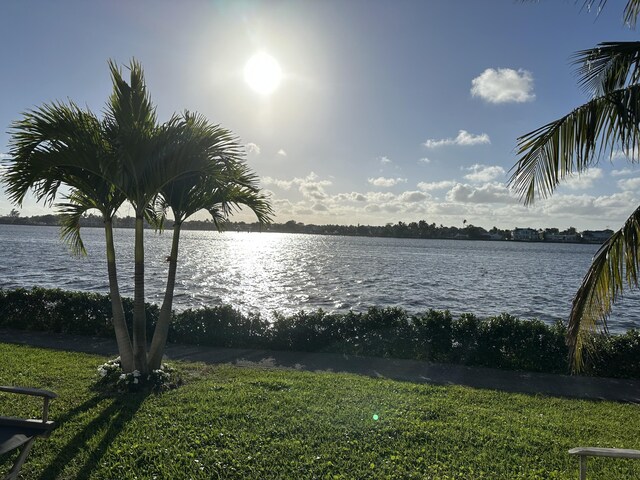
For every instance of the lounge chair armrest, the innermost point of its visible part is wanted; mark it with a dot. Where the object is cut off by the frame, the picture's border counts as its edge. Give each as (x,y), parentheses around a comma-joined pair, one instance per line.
(605,452)
(36,392)
(46,395)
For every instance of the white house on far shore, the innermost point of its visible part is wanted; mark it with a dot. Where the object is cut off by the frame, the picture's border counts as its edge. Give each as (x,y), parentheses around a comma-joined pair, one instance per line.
(526,235)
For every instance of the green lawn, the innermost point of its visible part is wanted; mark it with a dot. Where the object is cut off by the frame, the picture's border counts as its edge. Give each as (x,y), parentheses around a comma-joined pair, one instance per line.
(249,423)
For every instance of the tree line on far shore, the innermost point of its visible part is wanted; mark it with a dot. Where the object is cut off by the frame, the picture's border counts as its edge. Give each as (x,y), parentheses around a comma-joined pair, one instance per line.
(420,229)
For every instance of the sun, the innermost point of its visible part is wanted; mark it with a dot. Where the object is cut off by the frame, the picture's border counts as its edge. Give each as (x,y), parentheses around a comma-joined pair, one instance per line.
(262,73)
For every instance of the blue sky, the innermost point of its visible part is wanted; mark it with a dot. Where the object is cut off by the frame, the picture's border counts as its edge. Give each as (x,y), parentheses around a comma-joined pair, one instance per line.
(387,111)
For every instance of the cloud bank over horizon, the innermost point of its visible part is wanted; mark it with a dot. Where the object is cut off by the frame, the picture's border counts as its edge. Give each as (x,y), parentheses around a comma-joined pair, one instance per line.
(479,195)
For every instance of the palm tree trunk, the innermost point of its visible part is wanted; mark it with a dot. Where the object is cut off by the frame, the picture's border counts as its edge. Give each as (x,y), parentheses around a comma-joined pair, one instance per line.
(139,313)
(162,327)
(119,322)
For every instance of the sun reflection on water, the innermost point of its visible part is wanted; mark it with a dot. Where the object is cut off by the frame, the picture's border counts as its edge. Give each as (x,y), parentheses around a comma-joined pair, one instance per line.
(260,270)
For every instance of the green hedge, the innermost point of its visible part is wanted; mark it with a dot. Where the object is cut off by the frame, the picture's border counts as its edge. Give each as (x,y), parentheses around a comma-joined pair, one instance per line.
(501,342)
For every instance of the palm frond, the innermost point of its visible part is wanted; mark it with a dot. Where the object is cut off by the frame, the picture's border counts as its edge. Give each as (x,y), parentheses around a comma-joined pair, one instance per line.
(608,67)
(223,202)
(631,10)
(220,194)
(46,144)
(71,212)
(199,161)
(131,125)
(615,265)
(156,213)
(219,217)
(129,107)
(189,144)
(569,145)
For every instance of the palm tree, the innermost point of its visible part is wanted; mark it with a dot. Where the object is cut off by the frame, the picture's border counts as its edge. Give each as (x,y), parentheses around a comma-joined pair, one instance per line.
(609,122)
(185,165)
(225,185)
(149,157)
(61,144)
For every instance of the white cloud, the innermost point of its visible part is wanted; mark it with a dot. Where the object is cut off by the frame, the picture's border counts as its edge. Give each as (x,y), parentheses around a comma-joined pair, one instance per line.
(614,208)
(303,211)
(318,207)
(252,148)
(313,191)
(464,138)
(391,208)
(504,85)
(282,153)
(621,173)
(380,196)
(282,206)
(444,184)
(488,193)
(629,184)
(358,197)
(386,182)
(350,197)
(412,197)
(484,173)
(584,180)
(424,160)
(385,160)
(372,208)
(625,155)
(570,206)
(309,186)
(283,184)
(618,203)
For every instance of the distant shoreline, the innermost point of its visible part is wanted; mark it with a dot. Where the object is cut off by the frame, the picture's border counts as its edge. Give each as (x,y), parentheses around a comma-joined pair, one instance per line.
(413,230)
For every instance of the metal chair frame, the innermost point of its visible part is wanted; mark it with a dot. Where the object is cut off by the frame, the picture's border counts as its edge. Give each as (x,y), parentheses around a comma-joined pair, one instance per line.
(19,433)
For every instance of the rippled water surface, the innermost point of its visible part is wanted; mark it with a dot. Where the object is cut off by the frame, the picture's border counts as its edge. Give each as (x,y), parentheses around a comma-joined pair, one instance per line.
(268,271)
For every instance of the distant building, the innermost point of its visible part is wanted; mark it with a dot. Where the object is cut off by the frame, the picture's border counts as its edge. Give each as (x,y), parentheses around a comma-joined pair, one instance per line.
(525,235)
(562,237)
(596,236)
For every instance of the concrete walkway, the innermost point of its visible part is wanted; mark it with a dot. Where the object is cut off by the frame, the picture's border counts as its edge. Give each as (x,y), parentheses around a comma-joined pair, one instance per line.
(404,370)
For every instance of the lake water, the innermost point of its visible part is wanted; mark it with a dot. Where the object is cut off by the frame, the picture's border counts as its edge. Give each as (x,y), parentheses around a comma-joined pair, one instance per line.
(269,272)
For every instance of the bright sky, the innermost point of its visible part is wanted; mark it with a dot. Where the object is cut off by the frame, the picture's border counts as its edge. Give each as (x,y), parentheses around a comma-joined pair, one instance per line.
(386,110)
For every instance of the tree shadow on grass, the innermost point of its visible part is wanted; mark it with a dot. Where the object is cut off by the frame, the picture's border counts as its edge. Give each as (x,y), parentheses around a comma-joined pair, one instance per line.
(108,424)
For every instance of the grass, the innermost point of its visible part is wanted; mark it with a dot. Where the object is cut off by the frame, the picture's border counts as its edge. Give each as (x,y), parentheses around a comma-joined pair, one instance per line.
(250,423)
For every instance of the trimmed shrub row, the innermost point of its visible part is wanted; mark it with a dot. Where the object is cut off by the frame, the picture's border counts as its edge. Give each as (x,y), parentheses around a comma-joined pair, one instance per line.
(60,311)
(500,342)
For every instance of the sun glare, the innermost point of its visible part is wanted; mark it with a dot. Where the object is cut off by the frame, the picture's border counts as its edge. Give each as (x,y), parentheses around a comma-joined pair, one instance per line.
(262,73)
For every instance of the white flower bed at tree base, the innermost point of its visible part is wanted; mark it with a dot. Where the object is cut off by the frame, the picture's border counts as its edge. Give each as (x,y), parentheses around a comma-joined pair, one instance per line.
(113,378)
